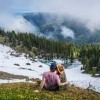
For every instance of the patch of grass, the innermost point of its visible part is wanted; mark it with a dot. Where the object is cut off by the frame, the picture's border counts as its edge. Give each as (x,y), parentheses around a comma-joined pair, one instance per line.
(17,64)
(28,64)
(2,39)
(24,91)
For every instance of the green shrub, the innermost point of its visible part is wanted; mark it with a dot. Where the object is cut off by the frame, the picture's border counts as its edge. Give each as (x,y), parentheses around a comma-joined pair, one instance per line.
(93,71)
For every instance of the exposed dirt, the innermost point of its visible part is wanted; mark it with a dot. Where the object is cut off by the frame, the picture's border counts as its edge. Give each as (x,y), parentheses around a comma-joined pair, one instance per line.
(8,76)
(5,75)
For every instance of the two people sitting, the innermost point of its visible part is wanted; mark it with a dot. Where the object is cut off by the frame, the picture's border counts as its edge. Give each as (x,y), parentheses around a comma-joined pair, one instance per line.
(55,79)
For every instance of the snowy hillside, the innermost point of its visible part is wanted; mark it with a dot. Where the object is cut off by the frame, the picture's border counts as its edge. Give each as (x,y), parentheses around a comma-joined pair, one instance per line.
(20,65)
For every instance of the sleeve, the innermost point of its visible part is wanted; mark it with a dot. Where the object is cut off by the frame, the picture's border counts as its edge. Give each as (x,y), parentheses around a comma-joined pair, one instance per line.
(58,79)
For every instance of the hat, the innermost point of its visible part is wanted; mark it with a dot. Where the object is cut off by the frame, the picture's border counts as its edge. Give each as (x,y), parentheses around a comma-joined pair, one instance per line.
(60,68)
(53,65)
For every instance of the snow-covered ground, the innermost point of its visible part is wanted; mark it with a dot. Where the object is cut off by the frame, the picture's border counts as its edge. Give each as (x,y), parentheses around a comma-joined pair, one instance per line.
(79,79)
(7,62)
(36,68)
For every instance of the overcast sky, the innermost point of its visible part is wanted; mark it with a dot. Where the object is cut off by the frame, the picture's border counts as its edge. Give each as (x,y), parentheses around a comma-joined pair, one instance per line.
(66,6)
(84,9)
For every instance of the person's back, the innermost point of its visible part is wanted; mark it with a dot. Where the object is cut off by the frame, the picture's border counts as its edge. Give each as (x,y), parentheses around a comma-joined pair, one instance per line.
(51,80)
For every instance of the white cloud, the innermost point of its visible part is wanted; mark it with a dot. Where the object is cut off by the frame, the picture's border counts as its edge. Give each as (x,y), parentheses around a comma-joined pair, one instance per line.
(17,23)
(87,10)
(66,32)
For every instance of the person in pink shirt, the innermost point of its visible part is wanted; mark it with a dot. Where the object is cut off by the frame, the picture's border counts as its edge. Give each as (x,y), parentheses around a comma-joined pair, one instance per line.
(50,80)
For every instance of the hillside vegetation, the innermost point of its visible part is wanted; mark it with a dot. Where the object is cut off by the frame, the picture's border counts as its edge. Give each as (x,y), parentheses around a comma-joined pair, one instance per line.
(2,39)
(88,54)
(24,91)
(62,27)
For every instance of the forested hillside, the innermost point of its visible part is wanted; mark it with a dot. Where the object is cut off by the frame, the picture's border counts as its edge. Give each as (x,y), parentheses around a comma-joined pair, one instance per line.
(63,27)
(48,48)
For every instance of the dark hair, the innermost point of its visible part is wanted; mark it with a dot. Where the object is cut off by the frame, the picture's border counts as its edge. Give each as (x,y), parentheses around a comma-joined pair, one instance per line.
(52,69)
(53,66)
(58,73)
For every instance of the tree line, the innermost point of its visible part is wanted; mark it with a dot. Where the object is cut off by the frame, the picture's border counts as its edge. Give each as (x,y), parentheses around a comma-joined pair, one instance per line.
(90,58)
(29,40)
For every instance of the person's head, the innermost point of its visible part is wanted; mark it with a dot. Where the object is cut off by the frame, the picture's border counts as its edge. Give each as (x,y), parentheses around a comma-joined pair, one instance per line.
(60,69)
(53,67)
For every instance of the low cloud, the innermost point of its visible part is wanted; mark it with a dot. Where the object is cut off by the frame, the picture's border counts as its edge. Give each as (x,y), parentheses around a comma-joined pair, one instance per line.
(86,10)
(66,32)
(16,22)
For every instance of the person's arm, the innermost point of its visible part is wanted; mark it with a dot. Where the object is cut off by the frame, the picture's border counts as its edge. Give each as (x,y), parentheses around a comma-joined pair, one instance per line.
(41,85)
(61,83)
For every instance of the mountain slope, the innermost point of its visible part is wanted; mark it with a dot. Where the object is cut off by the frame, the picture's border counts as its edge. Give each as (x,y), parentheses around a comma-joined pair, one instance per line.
(15,65)
(61,27)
